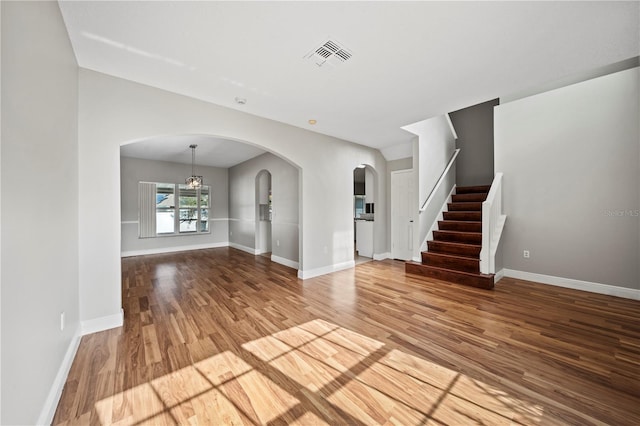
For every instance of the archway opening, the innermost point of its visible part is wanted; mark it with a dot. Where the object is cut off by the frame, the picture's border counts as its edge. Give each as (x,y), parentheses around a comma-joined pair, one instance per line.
(237,189)
(363,212)
(264,212)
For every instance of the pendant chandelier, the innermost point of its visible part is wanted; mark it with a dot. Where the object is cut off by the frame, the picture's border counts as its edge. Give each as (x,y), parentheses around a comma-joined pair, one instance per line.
(193,181)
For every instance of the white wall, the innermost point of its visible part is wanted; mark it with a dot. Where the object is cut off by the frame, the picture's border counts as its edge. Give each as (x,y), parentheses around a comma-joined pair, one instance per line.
(39,208)
(286,205)
(113,111)
(432,150)
(134,170)
(571,165)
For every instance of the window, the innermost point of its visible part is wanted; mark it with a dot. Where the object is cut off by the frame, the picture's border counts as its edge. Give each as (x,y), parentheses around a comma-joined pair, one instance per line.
(194,209)
(172,209)
(165,208)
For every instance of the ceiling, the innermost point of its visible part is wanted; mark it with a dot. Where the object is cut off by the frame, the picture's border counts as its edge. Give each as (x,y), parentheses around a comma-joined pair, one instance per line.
(210,151)
(409,60)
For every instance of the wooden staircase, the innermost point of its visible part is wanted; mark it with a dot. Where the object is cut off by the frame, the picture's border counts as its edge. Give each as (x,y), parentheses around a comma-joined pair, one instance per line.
(454,253)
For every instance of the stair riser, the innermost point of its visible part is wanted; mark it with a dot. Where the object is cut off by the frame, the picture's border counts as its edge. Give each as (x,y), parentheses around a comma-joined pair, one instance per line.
(446,225)
(485,282)
(470,216)
(458,237)
(455,263)
(468,197)
(443,247)
(465,206)
(473,189)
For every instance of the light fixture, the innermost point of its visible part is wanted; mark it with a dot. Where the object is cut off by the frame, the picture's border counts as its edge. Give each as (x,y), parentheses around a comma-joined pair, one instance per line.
(193,181)
(312,121)
(240,101)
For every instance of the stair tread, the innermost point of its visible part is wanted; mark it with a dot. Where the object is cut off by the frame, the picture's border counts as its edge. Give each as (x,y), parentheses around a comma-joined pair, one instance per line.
(463,215)
(457,244)
(451,256)
(473,274)
(474,279)
(473,189)
(457,232)
(461,221)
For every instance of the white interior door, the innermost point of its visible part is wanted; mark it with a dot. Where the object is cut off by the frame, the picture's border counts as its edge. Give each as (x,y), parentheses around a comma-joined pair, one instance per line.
(402,214)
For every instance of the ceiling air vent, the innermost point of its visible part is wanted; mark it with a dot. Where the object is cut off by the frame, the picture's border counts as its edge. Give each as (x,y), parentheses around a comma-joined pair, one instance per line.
(329,53)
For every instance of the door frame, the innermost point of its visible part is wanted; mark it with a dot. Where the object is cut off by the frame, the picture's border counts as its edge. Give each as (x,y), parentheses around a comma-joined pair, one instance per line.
(396,252)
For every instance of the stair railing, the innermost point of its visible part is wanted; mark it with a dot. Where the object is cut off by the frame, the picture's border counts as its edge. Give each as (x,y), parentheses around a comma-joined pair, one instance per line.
(492,225)
(440,180)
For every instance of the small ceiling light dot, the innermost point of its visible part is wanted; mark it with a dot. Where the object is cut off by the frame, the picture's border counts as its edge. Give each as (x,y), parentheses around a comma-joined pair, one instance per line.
(312,121)
(241,101)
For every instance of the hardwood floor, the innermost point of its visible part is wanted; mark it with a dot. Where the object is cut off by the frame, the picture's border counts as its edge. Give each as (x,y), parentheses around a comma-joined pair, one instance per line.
(217,336)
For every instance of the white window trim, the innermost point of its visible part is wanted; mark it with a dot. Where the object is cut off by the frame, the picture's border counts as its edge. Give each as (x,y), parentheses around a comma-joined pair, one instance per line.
(147,210)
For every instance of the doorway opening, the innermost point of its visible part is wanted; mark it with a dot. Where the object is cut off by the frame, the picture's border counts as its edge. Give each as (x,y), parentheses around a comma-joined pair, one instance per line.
(264,213)
(363,213)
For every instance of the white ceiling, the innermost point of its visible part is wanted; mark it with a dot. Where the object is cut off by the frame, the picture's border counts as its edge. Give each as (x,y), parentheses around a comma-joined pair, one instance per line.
(210,151)
(411,60)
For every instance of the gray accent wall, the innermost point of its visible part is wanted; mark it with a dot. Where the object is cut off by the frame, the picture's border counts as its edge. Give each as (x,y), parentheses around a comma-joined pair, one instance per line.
(134,170)
(39,175)
(285,196)
(474,127)
(571,165)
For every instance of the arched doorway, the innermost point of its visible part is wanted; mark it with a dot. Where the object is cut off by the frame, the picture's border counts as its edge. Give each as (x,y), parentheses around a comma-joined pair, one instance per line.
(264,210)
(363,212)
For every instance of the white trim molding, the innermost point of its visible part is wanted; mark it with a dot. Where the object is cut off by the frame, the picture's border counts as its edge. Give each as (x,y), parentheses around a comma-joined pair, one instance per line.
(382,256)
(173,249)
(285,262)
(53,398)
(303,275)
(611,290)
(249,250)
(103,323)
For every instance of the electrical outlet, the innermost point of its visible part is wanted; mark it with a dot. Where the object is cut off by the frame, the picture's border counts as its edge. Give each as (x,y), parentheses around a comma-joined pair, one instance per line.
(526,254)
(230,233)
(278,243)
(62,321)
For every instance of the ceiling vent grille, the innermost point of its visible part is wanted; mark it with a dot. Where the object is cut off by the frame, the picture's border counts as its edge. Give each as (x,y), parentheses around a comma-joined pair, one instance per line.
(329,53)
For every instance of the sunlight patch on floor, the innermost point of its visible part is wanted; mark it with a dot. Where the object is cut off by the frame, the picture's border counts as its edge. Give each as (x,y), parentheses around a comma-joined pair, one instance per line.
(342,374)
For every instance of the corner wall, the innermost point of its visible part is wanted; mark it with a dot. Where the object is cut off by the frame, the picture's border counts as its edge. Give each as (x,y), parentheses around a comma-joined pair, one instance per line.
(571,165)
(474,127)
(432,150)
(242,207)
(39,210)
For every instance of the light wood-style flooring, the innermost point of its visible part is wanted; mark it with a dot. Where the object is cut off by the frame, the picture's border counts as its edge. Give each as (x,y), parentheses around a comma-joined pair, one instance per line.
(220,337)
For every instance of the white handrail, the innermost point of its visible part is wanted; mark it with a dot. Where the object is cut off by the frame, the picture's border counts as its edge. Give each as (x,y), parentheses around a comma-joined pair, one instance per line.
(492,225)
(440,180)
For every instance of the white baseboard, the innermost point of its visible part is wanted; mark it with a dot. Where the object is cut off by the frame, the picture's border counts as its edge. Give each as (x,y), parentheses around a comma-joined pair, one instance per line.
(285,262)
(245,248)
(103,323)
(303,275)
(498,276)
(173,249)
(53,398)
(611,290)
(381,256)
